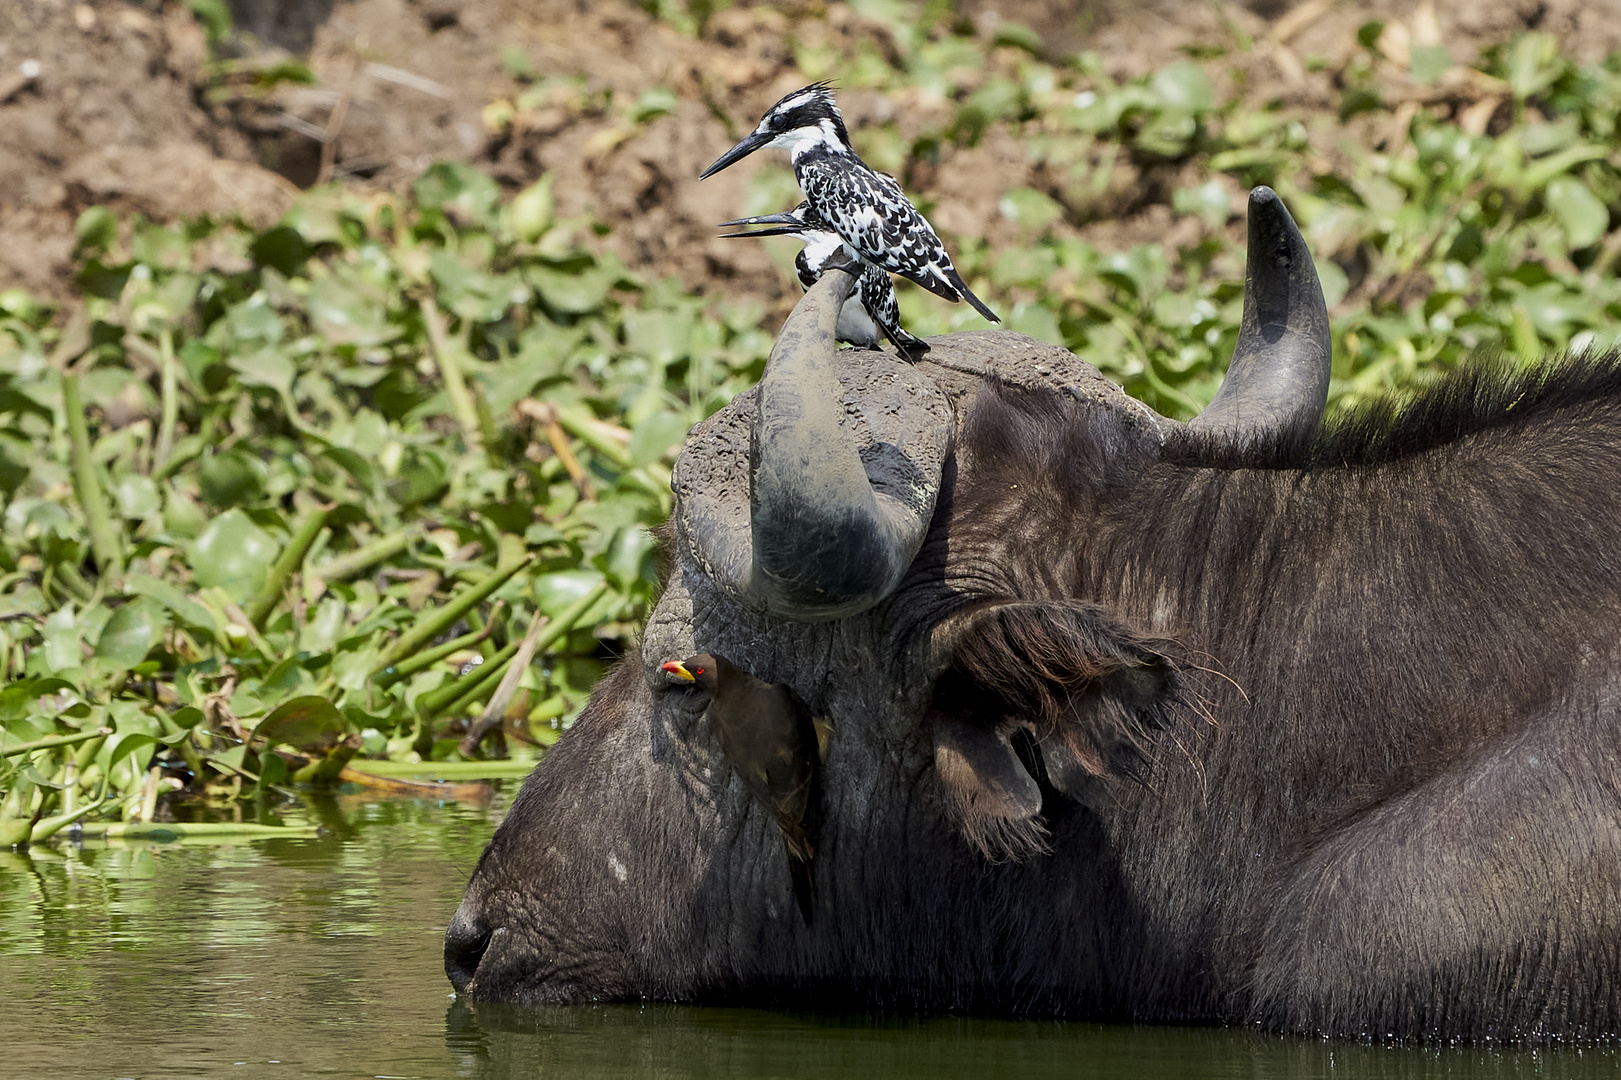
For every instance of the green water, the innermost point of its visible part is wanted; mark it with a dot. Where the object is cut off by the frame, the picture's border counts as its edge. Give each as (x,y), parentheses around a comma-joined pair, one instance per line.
(320,957)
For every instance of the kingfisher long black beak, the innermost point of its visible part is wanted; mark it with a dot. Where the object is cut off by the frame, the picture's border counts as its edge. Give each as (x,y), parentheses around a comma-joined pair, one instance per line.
(674,668)
(784,230)
(763,219)
(780,225)
(738,153)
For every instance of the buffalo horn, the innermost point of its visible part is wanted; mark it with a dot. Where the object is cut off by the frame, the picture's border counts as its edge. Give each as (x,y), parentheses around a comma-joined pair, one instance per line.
(1277,383)
(825,543)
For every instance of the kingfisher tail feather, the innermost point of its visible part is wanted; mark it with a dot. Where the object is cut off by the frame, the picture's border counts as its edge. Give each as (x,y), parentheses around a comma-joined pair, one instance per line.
(962,287)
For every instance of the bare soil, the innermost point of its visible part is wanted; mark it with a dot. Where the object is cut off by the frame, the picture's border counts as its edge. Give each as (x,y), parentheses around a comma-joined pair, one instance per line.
(126,111)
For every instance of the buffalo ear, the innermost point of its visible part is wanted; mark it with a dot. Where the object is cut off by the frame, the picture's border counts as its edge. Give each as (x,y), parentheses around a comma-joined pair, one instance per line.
(991,797)
(1090,691)
(1071,769)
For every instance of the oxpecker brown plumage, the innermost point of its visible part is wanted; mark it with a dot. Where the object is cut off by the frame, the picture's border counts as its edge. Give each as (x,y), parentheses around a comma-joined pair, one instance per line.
(770,740)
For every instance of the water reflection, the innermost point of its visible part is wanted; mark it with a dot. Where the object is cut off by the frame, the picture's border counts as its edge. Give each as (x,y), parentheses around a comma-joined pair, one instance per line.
(320,957)
(672,1043)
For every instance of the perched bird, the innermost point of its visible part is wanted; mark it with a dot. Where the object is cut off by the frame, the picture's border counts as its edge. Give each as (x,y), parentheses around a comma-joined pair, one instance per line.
(866,208)
(775,747)
(870,309)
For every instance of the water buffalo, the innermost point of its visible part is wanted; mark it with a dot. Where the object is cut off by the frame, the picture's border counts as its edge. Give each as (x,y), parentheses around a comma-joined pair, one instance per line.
(1248,719)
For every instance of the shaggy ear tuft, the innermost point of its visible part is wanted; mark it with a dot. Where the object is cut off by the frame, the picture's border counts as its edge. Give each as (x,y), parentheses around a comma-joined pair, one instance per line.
(1089,692)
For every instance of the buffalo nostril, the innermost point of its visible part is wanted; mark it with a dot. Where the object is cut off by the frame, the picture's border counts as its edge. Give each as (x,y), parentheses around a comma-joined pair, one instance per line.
(465,945)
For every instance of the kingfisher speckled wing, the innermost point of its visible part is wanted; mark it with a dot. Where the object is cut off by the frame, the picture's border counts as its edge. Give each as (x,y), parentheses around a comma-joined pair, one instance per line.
(866,208)
(871,308)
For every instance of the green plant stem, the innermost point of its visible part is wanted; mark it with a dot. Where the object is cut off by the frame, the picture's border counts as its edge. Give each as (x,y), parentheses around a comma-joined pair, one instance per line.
(139,830)
(365,557)
(424,660)
(324,772)
(486,648)
(432,623)
(484,679)
(446,698)
(47,827)
(87,751)
(104,539)
(447,357)
(54,740)
(69,577)
(308,527)
(495,709)
(450,770)
(603,438)
(169,380)
(15,822)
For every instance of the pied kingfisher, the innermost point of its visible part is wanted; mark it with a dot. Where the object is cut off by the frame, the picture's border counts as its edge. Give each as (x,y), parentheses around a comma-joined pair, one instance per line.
(871,307)
(867,209)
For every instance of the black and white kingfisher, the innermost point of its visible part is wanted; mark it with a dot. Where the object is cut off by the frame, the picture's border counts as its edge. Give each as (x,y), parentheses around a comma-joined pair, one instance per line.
(871,308)
(866,208)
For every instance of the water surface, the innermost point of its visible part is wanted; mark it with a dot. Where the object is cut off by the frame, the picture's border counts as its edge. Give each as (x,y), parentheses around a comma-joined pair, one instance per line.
(320,957)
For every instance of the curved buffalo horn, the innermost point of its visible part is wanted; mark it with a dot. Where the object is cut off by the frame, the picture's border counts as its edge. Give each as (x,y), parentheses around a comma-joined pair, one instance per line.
(1277,383)
(825,543)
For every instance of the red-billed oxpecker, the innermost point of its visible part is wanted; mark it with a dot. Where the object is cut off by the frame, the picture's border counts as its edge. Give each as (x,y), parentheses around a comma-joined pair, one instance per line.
(769,738)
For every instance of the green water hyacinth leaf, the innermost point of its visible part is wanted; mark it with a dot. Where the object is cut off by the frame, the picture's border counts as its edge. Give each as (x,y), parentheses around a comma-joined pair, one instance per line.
(422,476)
(658,101)
(311,723)
(170,596)
(96,230)
(571,294)
(1583,217)
(131,744)
(268,368)
(627,556)
(1533,64)
(62,641)
(282,248)
(460,191)
(136,496)
(555,592)
(664,336)
(252,323)
(1170,134)
(350,311)
(231,478)
(1018,35)
(1029,209)
(233,553)
(1185,87)
(531,211)
(317,219)
(131,632)
(654,436)
(1038,321)
(18,700)
(1209,201)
